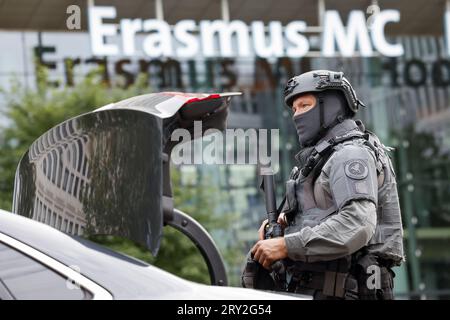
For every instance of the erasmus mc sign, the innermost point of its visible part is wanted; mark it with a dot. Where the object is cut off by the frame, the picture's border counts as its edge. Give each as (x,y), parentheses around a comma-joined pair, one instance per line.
(187,39)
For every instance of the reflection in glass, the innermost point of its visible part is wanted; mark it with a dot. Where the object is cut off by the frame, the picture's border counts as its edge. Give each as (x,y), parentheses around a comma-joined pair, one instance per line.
(100,172)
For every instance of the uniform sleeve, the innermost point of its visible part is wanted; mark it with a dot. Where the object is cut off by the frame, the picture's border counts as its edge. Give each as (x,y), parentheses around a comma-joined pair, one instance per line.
(352,175)
(340,235)
(352,181)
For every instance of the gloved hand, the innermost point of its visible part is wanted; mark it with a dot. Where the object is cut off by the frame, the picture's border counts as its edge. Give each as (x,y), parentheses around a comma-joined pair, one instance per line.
(266,252)
(281,220)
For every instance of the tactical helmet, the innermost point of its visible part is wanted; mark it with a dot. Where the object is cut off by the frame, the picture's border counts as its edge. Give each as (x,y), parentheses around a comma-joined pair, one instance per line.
(320,80)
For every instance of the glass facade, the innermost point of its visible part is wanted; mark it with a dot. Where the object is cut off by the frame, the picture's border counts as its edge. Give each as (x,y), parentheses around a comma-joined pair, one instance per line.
(408,107)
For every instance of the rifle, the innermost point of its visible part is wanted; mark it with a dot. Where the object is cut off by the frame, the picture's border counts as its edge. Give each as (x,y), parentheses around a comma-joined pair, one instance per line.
(273,229)
(254,275)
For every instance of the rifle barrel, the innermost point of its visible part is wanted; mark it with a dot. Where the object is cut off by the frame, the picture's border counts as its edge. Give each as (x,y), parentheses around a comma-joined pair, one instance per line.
(269,190)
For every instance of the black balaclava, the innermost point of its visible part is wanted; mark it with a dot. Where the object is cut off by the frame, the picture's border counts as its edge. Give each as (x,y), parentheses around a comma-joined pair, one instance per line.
(308,124)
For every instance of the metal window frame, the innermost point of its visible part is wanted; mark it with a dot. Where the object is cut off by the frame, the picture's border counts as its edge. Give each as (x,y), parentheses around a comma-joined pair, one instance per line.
(98,292)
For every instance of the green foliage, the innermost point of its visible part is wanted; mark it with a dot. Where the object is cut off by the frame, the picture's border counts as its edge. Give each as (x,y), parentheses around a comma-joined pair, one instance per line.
(30,113)
(200,201)
(177,253)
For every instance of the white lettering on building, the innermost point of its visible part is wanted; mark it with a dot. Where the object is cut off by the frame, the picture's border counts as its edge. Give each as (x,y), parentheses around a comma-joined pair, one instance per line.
(218,38)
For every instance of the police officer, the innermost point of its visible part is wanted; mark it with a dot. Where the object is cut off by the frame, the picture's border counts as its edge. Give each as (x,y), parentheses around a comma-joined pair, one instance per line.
(341,217)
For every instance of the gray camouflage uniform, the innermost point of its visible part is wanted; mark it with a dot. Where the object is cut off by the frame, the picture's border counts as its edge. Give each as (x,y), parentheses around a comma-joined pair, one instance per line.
(352,204)
(349,218)
(345,195)
(342,205)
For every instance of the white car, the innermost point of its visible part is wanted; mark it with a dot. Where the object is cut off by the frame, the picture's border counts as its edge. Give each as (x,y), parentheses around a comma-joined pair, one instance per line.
(40,262)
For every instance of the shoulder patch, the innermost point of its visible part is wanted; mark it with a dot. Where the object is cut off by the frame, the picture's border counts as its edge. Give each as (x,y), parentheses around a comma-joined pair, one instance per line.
(356,169)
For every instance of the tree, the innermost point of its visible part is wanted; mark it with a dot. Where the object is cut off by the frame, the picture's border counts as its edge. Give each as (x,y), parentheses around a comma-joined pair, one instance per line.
(177,253)
(30,113)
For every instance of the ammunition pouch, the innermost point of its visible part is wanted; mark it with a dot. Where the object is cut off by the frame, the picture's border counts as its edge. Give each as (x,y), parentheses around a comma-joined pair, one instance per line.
(330,279)
(374,275)
(329,284)
(348,278)
(290,204)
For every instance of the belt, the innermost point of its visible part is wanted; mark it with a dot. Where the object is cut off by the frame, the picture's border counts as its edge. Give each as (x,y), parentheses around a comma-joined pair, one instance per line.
(333,284)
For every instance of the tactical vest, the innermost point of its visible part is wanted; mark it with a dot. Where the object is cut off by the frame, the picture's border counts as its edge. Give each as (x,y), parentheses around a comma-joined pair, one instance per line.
(307,204)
